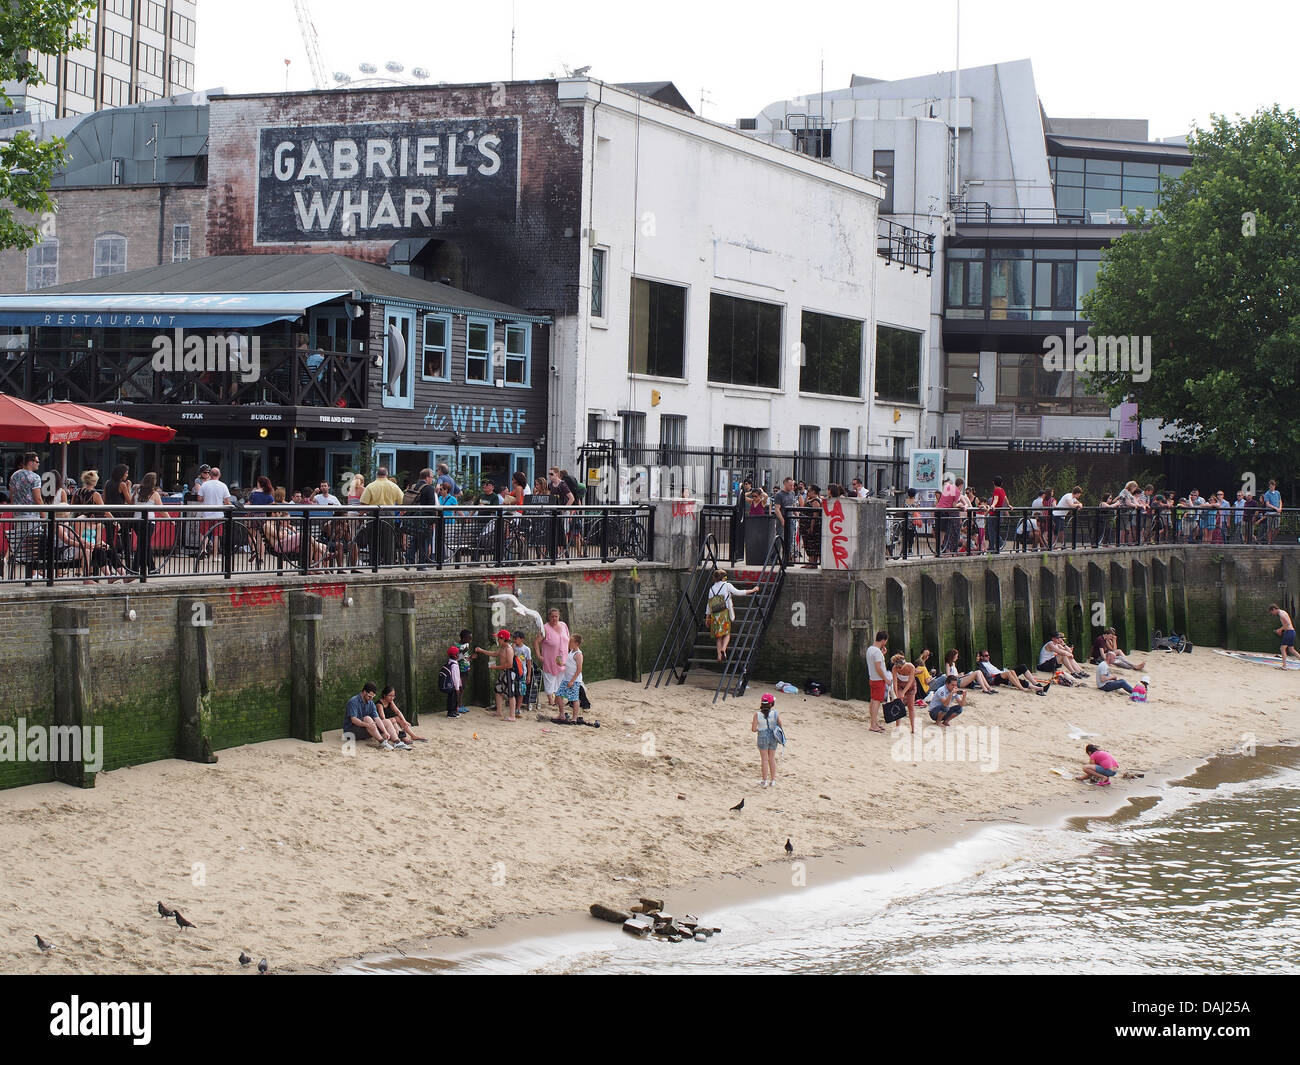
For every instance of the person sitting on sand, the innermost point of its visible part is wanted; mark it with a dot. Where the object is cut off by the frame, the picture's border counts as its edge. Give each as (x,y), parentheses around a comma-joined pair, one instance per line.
(387,705)
(1056,653)
(904,677)
(964,680)
(362,718)
(1109,641)
(1100,766)
(503,659)
(1286,631)
(765,723)
(570,690)
(945,703)
(1009,676)
(1105,681)
(923,675)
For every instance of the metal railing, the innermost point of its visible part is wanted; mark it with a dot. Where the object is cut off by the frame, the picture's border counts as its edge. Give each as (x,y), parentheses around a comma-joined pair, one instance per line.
(90,544)
(926,532)
(904,245)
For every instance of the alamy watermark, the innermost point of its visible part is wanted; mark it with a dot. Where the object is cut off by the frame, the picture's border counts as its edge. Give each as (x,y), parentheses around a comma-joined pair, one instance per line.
(1107,354)
(53,743)
(956,743)
(215,353)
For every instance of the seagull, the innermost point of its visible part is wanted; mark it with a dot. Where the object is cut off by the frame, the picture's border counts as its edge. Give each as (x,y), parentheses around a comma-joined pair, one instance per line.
(740,805)
(45,947)
(1076,733)
(163,911)
(181,922)
(262,966)
(789,847)
(521,610)
(244,959)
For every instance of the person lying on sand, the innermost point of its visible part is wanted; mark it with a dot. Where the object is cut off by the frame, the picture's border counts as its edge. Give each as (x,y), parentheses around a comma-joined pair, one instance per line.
(1100,766)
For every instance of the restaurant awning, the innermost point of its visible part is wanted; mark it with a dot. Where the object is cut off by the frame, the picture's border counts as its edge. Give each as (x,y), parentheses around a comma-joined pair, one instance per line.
(192,310)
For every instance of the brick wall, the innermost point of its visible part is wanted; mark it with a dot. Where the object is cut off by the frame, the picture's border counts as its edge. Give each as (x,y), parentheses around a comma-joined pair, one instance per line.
(141,214)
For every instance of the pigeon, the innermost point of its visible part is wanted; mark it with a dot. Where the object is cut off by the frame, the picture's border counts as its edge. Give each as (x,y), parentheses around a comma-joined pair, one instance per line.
(262,966)
(1076,733)
(740,805)
(521,610)
(163,911)
(789,847)
(244,959)
(181,922)
(45,947)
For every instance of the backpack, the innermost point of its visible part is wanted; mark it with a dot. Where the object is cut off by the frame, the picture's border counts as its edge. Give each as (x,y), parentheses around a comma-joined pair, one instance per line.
(574,487)
(444,679)
(717,604)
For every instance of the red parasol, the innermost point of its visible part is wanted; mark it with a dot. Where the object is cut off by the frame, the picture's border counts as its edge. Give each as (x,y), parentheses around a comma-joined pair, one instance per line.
(114,424)
(28,423)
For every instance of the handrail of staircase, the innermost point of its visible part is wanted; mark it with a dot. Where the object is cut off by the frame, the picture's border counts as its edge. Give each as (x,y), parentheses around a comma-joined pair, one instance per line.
(736,667)
(680,636)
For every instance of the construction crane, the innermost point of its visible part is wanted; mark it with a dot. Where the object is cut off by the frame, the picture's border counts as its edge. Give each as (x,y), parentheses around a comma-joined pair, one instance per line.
(311,44)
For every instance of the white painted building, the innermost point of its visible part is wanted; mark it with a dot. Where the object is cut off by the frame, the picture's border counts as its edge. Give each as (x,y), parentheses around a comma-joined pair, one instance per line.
(1022,204)
(733,297)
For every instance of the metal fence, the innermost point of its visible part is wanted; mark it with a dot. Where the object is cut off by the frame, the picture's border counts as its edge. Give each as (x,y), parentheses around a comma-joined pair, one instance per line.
(930,533)
(58,544)
(925,532)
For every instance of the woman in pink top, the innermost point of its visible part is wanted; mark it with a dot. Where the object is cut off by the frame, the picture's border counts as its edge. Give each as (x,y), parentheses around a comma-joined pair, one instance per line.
(551,645)
(1100,767)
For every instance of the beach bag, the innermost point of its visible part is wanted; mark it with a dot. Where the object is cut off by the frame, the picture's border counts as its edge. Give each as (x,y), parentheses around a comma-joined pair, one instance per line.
(1062,679)
(583,701)
(778,734)
(444,679)
(814,687)
(894,710)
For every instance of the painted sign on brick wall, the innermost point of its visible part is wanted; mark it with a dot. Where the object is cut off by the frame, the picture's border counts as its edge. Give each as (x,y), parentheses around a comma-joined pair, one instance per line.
(385,180)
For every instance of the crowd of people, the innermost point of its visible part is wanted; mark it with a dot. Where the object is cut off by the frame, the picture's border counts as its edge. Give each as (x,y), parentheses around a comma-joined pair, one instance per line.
(964,522)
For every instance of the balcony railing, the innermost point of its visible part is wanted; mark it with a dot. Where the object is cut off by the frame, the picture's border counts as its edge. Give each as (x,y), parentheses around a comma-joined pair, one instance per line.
(110,376)
(906,246)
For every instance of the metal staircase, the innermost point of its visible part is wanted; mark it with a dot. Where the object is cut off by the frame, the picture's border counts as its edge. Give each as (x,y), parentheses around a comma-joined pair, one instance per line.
(687,643)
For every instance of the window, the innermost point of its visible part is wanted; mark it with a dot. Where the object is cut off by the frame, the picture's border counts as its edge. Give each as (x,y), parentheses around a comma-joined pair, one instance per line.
(1010,281)
(1054,289)
(478,352)
(110,254)
(633,435)
(153,15)
(898,364)
(117,93)
(744,342)
(117,46)
(181,242)
(672,439)
(181,74)
(598,282)
(1034,389)
(149,59)
(959,385)
(43,264)
(810,439)
(121,7)
(832,355)
(740,444)
(80,79)
(182,29)
(658,345)
(518,345)
(965,283)
(593,426)
(1084,186)
(839,456)
(437,337)
(883,163)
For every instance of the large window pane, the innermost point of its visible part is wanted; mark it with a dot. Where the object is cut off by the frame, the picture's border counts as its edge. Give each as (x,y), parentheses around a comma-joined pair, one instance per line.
(1009,288)
(744,342)
(658,343)
(898,364)
(959,386)
(832,355)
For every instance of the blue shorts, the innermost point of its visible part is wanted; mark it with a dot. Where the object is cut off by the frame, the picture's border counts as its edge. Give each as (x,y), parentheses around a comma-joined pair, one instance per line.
(1104,772)
(766,740)
(945,711)
(1288,638)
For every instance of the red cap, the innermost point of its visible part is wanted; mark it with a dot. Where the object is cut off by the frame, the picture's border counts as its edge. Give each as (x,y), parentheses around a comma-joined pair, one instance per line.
(453,652)
(503,634)
(767,700)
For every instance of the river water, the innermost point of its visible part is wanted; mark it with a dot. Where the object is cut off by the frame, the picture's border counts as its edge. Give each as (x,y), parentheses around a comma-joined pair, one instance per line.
(1203,878)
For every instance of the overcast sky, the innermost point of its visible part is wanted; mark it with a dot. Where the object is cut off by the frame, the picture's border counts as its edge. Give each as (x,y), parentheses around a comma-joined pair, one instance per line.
(1171,63)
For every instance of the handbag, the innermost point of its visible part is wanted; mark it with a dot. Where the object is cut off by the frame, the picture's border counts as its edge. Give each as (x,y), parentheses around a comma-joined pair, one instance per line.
(894,710)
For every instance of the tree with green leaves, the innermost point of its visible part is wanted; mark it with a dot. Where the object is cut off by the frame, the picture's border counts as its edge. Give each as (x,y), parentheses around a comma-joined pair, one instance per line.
(27,165)
(1215,283)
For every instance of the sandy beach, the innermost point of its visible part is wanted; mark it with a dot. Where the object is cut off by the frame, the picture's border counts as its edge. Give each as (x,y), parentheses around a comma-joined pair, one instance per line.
(299,853)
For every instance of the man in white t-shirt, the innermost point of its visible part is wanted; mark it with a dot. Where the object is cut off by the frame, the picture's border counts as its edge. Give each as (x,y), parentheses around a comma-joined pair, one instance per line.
(324,497)
(1071,500)
(213,493)
(878,675)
